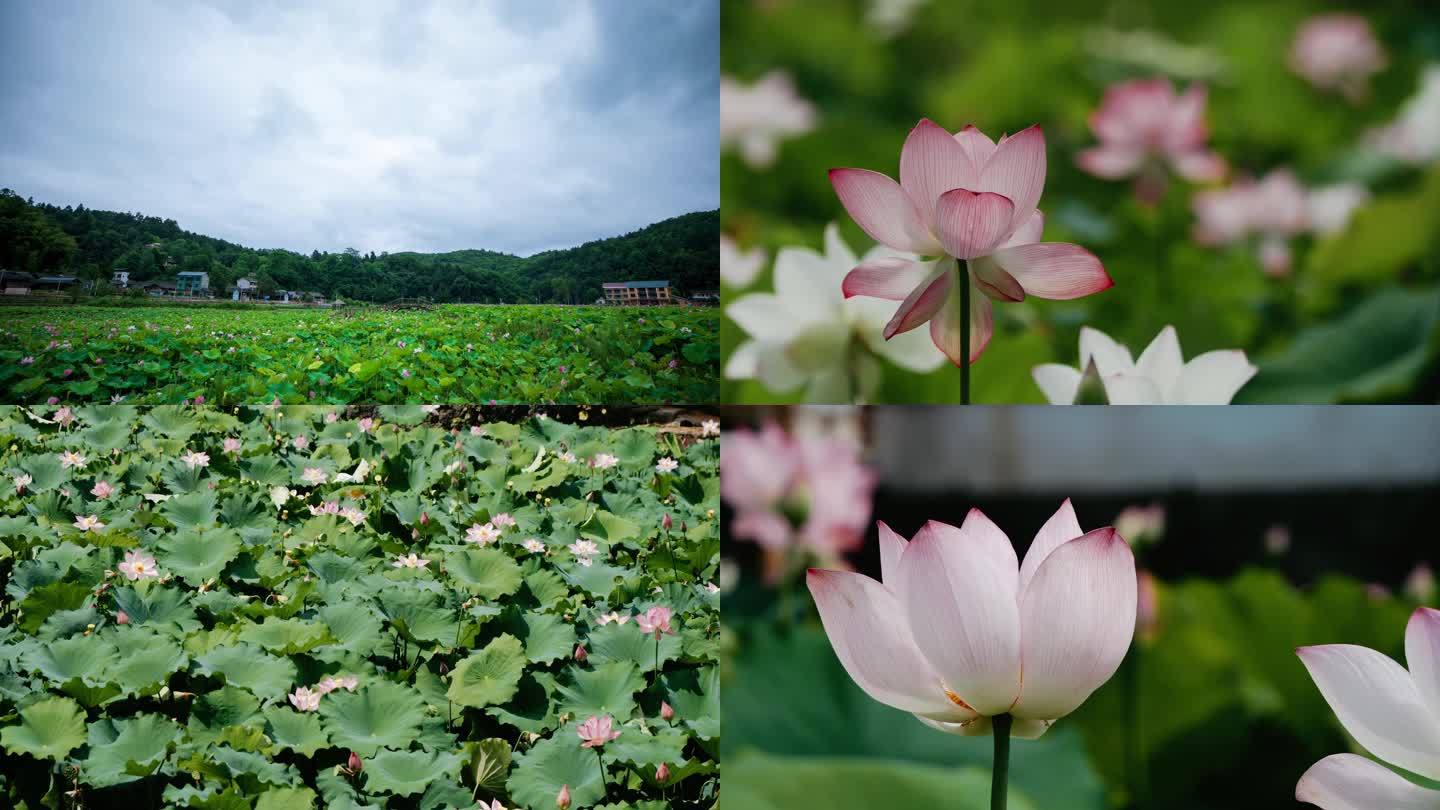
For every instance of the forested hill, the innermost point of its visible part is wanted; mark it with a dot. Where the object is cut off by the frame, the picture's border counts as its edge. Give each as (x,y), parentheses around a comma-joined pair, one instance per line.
(42,238)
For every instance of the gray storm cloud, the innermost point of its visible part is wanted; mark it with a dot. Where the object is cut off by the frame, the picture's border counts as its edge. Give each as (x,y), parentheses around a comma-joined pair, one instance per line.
(516,126)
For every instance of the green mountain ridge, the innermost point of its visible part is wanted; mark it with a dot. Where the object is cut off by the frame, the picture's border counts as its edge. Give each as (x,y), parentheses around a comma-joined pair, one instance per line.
(91,243)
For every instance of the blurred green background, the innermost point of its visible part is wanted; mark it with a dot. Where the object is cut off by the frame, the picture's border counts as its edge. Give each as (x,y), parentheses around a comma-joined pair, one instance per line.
(1357,320)
(1211,710)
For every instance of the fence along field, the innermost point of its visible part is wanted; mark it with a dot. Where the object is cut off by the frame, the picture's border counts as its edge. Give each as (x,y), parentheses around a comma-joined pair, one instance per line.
(453,353)
(274,606)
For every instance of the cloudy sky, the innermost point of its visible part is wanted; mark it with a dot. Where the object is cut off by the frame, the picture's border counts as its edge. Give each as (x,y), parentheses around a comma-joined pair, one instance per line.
(514,125)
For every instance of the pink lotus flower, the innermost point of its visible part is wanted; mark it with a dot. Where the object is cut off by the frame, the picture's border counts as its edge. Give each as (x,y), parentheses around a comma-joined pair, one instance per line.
(1337,52)
(121,617)
(961,197)
(1391,712)
(666,465)
(503,520)
(193,459)
(580,654)
(64,417)
(102,490)
(662,773)
(88,523)
(232,445)
(305,699)
(756,117)
(562,799)
(666,711)
(655,621)
(958,619)
(533,545)
(612,616)
(710,427)
(1274,209)
(482,534)
(70,458)
(313,475)
(785,490)
(138,565)
(365,425)
(596,731)
(301,442)
(354,763)
(1143,125)
(603,461)
(410,561)
(22,481)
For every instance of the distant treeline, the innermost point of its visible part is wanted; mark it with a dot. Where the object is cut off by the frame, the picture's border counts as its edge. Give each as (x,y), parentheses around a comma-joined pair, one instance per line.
(85,242)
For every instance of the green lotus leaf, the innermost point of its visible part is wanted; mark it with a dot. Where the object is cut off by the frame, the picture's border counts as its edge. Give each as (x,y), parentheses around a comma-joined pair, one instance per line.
(166,610)
(778,783)
(198,555)
(45,471)
(545,635)
(354,626)
(489,764)
(249,667)
(300,732)
(378,715)
(405,773)
(546,586)
(551,764)
(286,798)
(247,763)
(609,688)
(489,676)
(45,600)
(696,701)
(625,642)
(193,510)
(487,572)
(84,657)
(146,660)
(285,636)
(125,750)
(611,528)
(635,747)
(598,579)
(49,729)
(531,709)
(419,614)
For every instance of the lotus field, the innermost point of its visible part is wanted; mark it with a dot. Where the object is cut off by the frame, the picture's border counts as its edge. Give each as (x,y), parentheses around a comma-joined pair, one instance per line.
(455,353)
(398,607)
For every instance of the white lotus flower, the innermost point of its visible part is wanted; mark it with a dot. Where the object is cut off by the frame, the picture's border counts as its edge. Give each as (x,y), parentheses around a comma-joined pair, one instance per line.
(807,333)
(739,267)
(1414,135)
(755,117)
(279,495)
(1393,713)
(1160,377)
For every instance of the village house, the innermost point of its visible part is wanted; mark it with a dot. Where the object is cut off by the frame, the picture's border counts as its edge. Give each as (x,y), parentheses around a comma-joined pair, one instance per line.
(637,293)
(120,279)
(189,282)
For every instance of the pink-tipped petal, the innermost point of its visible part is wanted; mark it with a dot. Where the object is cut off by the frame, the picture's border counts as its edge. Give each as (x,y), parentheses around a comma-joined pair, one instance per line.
(1185,124)
(972,223)
(883,210)
(1017,170)
(1059,383)
(932,162)
(872,641)
(1378,703)
(1352,782)
(960,603)
(1077,620)
(945,328)
(991,279)
(1061,528)
(1422,654)
(1111,162)
(1161,362)
(977,145)
(1214,378)
(921,305)
(892,546)
(1200,167)
(1029,233)
(888,277)
(1054,270)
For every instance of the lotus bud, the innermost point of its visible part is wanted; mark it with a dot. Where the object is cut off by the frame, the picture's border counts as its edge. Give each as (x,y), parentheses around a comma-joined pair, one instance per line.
(354,763)
(580,654)
(682,527)
(662,773)
(121,617)
(1420,585)
(424,518)
(562,800)
(666,523)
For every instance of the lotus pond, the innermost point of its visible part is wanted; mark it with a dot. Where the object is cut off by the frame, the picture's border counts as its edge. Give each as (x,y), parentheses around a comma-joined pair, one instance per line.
(274,607)
(454,353)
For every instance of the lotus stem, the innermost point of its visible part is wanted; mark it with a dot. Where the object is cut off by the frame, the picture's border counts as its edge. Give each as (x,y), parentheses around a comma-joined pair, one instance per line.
(1000,774)
(964,281)
(599,760)
(668,547)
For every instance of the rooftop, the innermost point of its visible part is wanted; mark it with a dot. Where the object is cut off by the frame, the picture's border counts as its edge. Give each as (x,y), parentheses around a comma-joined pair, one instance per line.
(636,284)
